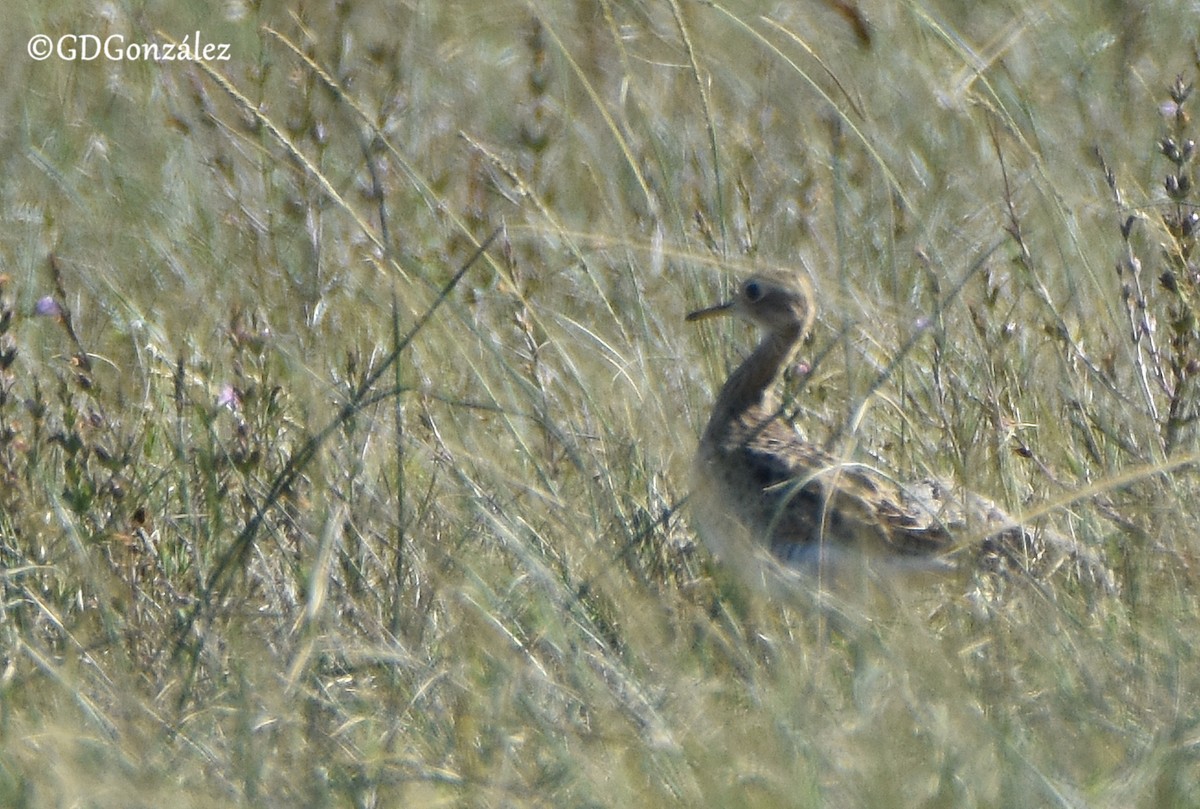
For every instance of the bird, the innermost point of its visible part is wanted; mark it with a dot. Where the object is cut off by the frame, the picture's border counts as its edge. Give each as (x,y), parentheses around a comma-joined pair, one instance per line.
(757,485)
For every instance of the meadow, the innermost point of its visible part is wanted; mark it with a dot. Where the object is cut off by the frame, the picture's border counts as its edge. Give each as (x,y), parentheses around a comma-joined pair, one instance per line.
(347,404)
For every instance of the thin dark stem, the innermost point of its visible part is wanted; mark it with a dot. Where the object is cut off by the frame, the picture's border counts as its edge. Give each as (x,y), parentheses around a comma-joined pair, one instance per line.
(401,515)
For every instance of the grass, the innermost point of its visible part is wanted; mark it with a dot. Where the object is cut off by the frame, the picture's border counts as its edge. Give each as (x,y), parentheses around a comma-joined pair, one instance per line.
(293,513)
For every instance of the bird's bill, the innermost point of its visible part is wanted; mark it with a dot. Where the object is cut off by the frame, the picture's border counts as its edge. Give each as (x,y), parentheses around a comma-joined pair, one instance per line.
(712,311)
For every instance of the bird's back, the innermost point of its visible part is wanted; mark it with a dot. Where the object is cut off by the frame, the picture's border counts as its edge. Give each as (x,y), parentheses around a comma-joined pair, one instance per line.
(796,498)
(807,506)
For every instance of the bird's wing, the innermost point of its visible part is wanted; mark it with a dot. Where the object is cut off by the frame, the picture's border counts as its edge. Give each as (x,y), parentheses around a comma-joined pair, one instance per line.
(820,498)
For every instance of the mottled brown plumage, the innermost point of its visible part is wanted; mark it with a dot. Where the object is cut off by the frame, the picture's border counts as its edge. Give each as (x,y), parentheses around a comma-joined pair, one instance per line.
(757,483)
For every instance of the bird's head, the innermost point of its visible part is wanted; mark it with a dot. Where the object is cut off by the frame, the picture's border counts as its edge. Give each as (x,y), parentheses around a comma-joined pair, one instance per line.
(776,302)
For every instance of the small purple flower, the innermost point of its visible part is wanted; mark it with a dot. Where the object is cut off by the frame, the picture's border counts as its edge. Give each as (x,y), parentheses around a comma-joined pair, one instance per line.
(228,397)
(47,307)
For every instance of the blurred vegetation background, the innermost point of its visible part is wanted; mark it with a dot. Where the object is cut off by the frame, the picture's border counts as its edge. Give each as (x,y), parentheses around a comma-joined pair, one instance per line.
(306,501)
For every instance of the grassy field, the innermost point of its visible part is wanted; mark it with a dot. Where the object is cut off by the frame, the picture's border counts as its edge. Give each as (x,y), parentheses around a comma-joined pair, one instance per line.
(306,501)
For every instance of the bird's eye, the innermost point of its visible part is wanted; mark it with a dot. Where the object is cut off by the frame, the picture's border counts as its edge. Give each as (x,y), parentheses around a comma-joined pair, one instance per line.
(752,291)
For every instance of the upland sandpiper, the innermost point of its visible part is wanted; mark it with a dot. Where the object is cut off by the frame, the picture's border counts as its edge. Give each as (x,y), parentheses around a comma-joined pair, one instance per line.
(758,485)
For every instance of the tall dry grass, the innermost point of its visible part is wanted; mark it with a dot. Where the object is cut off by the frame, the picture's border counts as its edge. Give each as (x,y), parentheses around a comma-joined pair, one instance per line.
(306,500)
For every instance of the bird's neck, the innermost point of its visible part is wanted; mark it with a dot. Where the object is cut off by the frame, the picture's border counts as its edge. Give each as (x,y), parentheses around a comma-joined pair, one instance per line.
(748,394)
